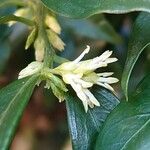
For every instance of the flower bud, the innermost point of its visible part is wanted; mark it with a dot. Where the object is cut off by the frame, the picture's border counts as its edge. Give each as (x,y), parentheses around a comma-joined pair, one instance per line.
(53,24)
(55,40)
(57,92)
(31,69)
(31,38)
(39,49)
(57,85)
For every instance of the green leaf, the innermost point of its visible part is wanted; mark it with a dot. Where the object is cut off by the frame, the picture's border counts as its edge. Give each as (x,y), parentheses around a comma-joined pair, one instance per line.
(13,100)
(128,126)
(84,127)
(85,8)
(139,40)
(102,31)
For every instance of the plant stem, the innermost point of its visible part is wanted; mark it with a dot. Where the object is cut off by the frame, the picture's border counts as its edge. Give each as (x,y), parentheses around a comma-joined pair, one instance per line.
(12,3)
(49,51)
(5,19)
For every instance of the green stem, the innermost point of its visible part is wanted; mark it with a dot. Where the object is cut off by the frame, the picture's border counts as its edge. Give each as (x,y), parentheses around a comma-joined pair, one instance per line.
(12,3)
(49,51)
(8,18)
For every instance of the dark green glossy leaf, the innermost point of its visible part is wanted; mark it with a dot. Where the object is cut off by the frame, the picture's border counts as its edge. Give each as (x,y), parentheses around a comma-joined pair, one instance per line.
(85,8)
(140,38)
(102,31)
(84,127)
(128,126)
(13,100)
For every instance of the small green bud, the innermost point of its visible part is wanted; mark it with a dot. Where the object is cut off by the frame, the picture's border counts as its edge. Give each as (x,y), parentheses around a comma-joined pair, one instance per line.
(58,82)
(57,92)
(57,86)
(31,38)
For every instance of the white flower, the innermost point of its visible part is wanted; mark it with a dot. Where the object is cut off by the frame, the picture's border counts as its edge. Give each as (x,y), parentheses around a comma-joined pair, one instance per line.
(31,69)
(81,76)
(104,80)
(93,64)
(81,88)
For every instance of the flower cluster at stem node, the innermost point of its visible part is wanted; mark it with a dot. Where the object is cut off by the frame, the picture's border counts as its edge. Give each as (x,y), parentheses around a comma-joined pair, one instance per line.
(79,74)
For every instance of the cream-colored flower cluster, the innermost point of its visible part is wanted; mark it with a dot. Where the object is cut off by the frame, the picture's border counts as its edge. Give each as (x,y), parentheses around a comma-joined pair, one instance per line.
(81,76)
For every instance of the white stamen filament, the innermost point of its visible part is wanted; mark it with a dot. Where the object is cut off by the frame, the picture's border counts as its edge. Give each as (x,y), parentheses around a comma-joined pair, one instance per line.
(108,80)
(82,54)
(105,74)
(105,55)
(105,86)
(96,66)
(111,60)
(79,91)
(109,87)
(84,83)
(91,97)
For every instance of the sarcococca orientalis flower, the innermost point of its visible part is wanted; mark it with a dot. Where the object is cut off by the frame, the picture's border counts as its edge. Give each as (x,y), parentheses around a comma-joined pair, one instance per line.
(81,76)
(31,69)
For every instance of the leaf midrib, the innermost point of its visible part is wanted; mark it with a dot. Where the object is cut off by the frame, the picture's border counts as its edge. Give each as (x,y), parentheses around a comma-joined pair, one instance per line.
(136,133)
(130,71)
(13,100)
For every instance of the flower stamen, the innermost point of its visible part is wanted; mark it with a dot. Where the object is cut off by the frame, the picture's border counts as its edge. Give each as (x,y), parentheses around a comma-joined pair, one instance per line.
(82,54)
